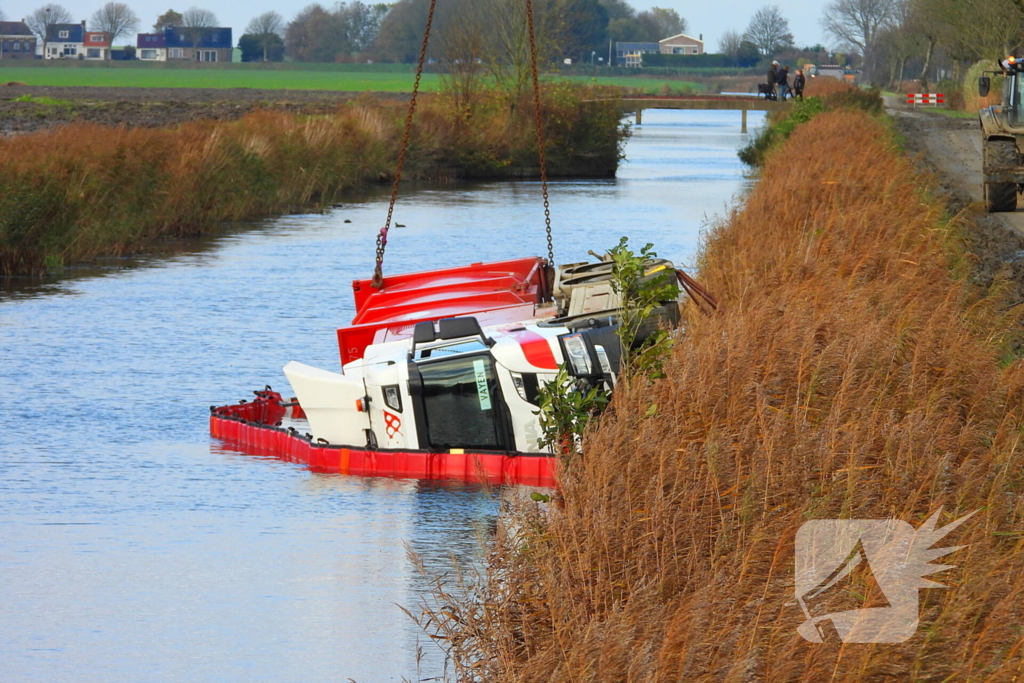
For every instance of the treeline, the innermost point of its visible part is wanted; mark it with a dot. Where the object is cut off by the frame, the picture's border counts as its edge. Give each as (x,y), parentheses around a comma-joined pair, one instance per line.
(907,39)
(355,31)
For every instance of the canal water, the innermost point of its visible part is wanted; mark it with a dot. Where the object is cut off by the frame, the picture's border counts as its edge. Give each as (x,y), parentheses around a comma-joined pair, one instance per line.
(135,548)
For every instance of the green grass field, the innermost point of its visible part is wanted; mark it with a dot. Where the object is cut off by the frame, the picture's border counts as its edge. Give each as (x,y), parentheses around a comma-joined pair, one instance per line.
(383,78)
(215,78)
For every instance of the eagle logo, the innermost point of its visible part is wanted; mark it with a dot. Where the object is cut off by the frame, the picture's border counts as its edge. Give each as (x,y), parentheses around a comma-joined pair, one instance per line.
(871,569)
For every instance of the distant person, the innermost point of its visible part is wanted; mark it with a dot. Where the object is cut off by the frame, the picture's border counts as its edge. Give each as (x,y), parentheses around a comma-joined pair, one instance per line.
(773,79)
(798,85)
(784,83)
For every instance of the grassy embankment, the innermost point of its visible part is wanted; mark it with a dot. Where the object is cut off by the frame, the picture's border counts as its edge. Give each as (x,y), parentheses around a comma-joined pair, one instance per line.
(852,372)
(80,191)
(290,76)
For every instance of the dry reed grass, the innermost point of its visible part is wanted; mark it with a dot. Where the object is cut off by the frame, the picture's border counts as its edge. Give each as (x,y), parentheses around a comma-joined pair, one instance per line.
(851,373)
(76,192)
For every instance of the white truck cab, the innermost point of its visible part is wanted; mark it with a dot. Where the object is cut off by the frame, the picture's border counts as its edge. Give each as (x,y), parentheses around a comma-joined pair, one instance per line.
(438,385)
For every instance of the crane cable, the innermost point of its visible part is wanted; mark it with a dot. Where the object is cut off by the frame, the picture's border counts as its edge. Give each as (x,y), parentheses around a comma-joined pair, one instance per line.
(539,127)
(382,237)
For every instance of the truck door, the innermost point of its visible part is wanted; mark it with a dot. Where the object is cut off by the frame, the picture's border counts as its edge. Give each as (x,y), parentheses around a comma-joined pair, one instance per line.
(459,404)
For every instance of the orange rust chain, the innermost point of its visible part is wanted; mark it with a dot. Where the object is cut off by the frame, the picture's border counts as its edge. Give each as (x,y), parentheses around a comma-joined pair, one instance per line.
(538,124)
(382,237)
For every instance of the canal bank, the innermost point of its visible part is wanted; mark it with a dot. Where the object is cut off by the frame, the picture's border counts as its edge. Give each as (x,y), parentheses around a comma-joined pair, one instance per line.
(80,191)
(132,547)
(854,371)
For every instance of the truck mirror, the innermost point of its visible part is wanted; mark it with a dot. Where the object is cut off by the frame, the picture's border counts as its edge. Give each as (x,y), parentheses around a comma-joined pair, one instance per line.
(984,83)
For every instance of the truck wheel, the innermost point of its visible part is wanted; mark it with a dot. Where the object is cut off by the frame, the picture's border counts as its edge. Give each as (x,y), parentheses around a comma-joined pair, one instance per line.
(1000,154)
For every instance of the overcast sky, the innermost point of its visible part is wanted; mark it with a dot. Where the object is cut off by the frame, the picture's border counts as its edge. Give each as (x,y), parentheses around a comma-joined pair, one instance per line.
(711,18)
(715,17)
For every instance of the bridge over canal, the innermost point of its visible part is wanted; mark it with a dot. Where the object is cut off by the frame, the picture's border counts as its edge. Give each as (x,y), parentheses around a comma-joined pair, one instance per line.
(741,103)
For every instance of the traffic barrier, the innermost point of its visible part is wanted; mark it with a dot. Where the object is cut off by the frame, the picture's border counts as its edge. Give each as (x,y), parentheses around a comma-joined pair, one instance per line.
(933,99)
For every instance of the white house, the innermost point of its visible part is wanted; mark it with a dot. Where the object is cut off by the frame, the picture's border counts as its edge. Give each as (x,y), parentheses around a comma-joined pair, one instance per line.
(65,41)
(151,47)
(682,44)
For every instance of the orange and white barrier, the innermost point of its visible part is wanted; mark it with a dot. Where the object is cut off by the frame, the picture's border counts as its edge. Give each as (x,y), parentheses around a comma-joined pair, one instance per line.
(934,99)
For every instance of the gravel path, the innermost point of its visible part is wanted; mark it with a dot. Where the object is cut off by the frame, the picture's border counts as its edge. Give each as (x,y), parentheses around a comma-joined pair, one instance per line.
(951,149)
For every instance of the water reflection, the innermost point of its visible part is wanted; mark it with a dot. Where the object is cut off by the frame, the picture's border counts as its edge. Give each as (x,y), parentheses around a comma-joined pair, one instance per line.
(134,548)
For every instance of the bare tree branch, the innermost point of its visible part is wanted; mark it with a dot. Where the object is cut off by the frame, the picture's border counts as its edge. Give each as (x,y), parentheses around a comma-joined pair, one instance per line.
(46,17)
(116,20)
(858,22)
(730,43)
(769,31)
(195,21)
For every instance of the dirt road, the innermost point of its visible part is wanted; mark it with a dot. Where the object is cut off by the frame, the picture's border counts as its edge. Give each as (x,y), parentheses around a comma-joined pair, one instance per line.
(951,149)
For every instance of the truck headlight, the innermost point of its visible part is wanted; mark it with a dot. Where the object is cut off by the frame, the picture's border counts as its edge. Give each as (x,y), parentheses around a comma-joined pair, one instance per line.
(579,357)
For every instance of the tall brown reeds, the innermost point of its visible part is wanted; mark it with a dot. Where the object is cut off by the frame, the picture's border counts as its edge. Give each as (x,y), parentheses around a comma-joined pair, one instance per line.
(80,191)
(850,373)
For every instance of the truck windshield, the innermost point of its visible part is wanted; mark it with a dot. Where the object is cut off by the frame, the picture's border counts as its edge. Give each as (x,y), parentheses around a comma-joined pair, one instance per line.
(461,401)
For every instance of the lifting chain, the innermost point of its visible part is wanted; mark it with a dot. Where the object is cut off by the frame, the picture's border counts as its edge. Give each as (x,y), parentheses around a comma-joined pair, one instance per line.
(539,126)
(382,237)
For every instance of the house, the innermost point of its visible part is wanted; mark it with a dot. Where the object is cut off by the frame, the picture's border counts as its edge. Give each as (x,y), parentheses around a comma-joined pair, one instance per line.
(630,54)
(682,44)
(65,41)
(151,47)
(96,45)
(207,45)
(16,41)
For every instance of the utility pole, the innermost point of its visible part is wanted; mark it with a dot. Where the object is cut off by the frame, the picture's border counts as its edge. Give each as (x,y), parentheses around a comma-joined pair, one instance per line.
(609,52)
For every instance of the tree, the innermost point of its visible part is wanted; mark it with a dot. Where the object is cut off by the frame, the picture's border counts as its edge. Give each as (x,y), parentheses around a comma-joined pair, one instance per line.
(624,30)
(317,35)
(858,23)
(583,29)
(3,17)
(769,31)
(658,23)
(194,23)
(266,29)
(730,43)
(899,41)
(115,19)
(305,37)
(507,48)
(401,31)
(261,49)
(462,44)
(46,17)
(618,10)
(168,19)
